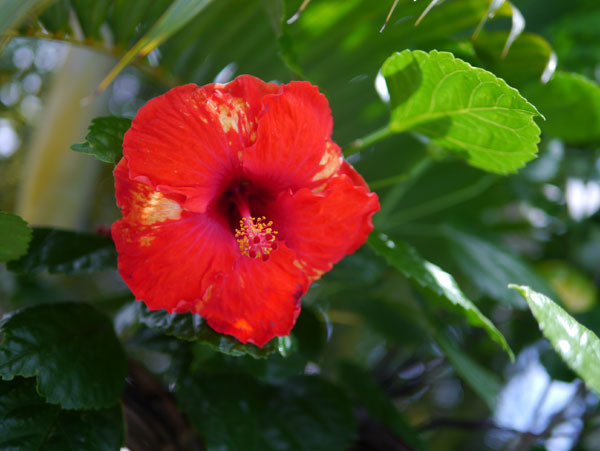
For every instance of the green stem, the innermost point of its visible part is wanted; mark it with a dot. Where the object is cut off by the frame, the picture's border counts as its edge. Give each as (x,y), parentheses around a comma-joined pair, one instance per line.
(367,141)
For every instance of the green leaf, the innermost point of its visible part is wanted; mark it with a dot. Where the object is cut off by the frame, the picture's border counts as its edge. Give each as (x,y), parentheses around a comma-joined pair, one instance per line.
(179,13)
(571,105)
(105,139)
(425,274)
(15,11)
(462,108)
(15,236)
(526,61)
(578,346)
(361,386)
(65,252)
(483,382)
(236,412)
(27,422)
(70,348)
(193,327)
(91,16)
(491,268)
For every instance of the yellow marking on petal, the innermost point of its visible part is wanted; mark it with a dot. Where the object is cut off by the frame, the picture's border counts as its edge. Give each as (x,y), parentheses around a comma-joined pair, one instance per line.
(242,324)
(158,208)
(231,113)
(330,162)
(146,240)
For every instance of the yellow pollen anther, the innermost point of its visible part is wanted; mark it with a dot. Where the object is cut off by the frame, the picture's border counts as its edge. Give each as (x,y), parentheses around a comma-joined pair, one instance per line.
(256,237)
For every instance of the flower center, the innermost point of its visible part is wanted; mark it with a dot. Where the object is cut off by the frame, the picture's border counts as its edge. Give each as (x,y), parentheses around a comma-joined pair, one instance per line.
(255,235)
(256,238)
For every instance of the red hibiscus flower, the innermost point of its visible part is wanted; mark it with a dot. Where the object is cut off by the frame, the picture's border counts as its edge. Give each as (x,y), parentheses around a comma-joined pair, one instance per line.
(234,199)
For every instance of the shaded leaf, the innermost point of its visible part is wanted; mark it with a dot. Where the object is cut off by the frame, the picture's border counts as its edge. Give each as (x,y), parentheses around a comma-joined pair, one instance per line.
(179,13)
(491,268)
(192,327)
(105,139)
(578,346)
(526,61)
(361,386)
(405,259)
(462,108)
(233,411)
(64,252)
(15,236)
(15,11)
(70,348)
(27,422)
(571,105)
(576,290)
(482,381)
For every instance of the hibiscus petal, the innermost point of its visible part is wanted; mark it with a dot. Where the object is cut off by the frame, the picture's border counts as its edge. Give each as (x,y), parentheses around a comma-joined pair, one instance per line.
(190,140)
(167,255)
(258,300)
(293,148)
(323,226)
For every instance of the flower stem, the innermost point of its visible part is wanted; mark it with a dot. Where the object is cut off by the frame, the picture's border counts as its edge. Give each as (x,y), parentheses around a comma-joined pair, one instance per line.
(367,141)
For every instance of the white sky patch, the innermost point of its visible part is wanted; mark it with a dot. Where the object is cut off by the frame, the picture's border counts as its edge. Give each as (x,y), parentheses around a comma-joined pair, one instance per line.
(9,139)
(583,198)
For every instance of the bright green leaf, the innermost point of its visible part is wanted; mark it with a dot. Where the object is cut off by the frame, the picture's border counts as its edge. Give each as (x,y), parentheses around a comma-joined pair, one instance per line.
(425,274)
(65,252)
(571,105)
(462,108)
(237,412)
(105,139)
(578,346)
(70,348)
(27,422)
(193,327)
(15,236)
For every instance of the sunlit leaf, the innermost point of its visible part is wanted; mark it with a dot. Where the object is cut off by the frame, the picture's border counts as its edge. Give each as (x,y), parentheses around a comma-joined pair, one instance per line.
(571,105)
(578,346)
(15,236)
(462,108)
(64,252)
(193,327)
(236,412)
(27,422)
(105,139)
(405,259)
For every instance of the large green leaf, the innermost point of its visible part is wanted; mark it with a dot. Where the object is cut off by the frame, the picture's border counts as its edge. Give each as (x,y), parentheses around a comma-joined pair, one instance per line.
(70,348)
(491,268)
(15,11)
(462,108)
(64,252)
(15,236)
(27,423)
(105,139)
(426,275)
(193,327)
(578,346)
(234,412)
(571,105)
